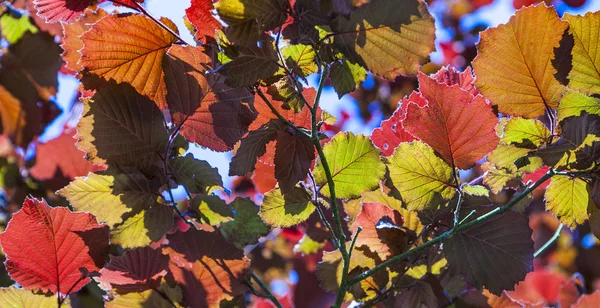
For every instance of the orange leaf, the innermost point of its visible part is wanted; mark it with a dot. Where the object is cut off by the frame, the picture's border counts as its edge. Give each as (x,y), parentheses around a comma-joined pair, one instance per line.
(456,124)
(109,53)
(72,42)
(588,301)
(300,119)
(371,236)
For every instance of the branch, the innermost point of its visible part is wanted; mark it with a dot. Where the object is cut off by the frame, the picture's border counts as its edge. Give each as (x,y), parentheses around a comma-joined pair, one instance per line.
(279,116)
(268,293)
(140,8)
(459,229)
(550,241)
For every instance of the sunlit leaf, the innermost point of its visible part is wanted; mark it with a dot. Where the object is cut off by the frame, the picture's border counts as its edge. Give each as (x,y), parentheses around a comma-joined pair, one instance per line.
(588,300)
(568,198)
(354,163)
(36,258)
(585,74)
(136,270)
(11,114)
(300,59)
(386,37)
(391,132)
(246,227)
(371,216)
(72,42)
(423,179)
(61,10)
(248,19)
(476,190)
(525,132)
(514,64)
(346,76)
(199,14)
(211,209)
(465,80)
(154,298)
(16,297)
(496,178)
(573,103)
(14,27)
(286,210)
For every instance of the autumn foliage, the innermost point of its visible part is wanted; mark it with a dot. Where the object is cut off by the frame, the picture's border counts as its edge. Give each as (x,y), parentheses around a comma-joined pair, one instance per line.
(471,192)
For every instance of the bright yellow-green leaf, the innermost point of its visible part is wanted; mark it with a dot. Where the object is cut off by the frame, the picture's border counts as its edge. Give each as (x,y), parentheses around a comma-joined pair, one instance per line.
(211,209)
(585,74)
(497,178)
(14,297)
(505,156)
(514,64)
(308,246)
(346,76)
(300,58)
(143,227)
(420,270)
(423,179)
(525,132)
(568,198)
(476,190)
(149,298)
(354,163)
(287,210)
(386,37)
(574,102)
(246,227)
(13,28)
(569,158)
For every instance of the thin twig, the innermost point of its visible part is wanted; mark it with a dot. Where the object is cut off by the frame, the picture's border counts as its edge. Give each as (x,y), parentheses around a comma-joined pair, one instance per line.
(457,209)
(553,239)
(279,116)
(320,211)
(158,22)
(268,293)
(358,230)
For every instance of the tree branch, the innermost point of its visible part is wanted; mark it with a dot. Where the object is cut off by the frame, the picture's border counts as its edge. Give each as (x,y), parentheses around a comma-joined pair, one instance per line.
(279,116)
(553,239)
(265,289)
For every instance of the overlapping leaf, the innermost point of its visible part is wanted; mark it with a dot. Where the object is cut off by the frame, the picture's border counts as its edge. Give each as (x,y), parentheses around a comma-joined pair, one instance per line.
(573,103)
(514,65)
(293,157)
(108,53)
(163,296)
(15,297)
(248,19)
(585,74)
(196,175)
(136,270)
(46,247)
(211,210)
(246,227)
(568,198)
(253,64)
(72,42)
(286,210)
(384,243)
(392,131)
(525,133)
(456,124)
(253,146)
(61,10)
(386,37)
(14,27)
(300,58)
(11,114)
(354,164)
(199,14)
(346,76)
(423,179)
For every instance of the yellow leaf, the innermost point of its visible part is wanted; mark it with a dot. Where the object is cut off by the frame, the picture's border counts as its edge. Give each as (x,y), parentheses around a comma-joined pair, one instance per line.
(568,198)
(585,74)
(574,102)
(11,114)
(21,298)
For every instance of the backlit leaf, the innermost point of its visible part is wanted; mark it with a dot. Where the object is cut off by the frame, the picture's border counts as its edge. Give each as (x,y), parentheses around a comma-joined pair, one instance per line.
(206,267)
(252,147)
(456,124)
(568,198)
(280,97)
(199,14)
(33,244)
(108,53)
(585,74)
(196,175)
(573,103)
(246,227)
(346,76)
(496,178)
(386,37)
(300,59)
(506,156)
(136,270)
(525,132)
(294,155)
(588,300)
(494,255)
(423,179)
(514,65)
(72,42)
(211,113)
(11,114)
(14,27)
(61,10)
(248,19)
(369,218)
(354,163)
(465,80)
(286,210)
(392,131)
(20,298)
(211,210)
(119,126)
(476,190)
(151,298)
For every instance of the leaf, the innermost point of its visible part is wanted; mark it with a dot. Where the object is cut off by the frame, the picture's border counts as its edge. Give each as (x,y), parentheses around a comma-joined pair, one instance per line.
(253,64)
(573,103)
(72,43)
(149,298)
(419,294)
(585,74)
(525,133)
(11,114)
(300,59)
(499,253)
(264,177)
(119,126)
(286,210)
(386,37)
(588,300)
(465,80)
(252,147)
(246,227)
(496,178)
(423,179)
(206,267)
(61,10)
(199,14)
(372,236)
(36,258)
(20,298)
(248,19)
(108,53)
(514,64)
(578,146)
(507,156)
(14,27)
(61,154)
(279,98)
(209,112)
(476,190)
(196,175)
(346,76)
(568,198)
(211,210)
(456,124)
(392,131)
(126,200)
(354,163)
(294,155)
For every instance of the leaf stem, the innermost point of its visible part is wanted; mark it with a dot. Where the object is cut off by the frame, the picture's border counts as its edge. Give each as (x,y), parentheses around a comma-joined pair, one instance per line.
(553,239)
(358,230)
(461,228)
(320,211)
(265,289)
(279,116)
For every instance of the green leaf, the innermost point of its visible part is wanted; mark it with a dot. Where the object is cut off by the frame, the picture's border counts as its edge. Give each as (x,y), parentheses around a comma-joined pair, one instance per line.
(211,209)
(354,163)
(247,19)
(494,255)
(346,76)
(574,102)
(246,227)
(21,298)
(196,175)
(505,156)
(423,179)
(386,37)
(476,190)
(525,133)
(300,58)
(308,246)
(496,178)
(253,64)
(287,210)
(14,27)
(568,198)
(585,74)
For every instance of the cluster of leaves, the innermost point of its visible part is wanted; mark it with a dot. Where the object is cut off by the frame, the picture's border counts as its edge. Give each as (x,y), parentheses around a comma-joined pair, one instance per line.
(388,216)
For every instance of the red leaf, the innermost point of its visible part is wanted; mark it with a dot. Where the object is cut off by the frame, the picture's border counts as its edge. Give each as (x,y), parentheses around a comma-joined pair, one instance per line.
(61,153)
(264,177)
(368,218)
(589,301)
(456,124)
(391,133)
(300,119)
(136,270)
(450,76)
(46,247)
(61,10)
(208,268)
(199,14)
(293,157)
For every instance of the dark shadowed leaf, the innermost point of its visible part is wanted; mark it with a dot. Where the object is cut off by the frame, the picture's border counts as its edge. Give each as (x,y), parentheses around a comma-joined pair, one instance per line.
(136,270)
(294,155)
(246,227)
(196,175)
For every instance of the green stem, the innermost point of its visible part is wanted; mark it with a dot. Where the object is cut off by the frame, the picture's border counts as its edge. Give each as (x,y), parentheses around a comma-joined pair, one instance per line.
(279,116)
(459,229)
(550,241)
(268,293)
